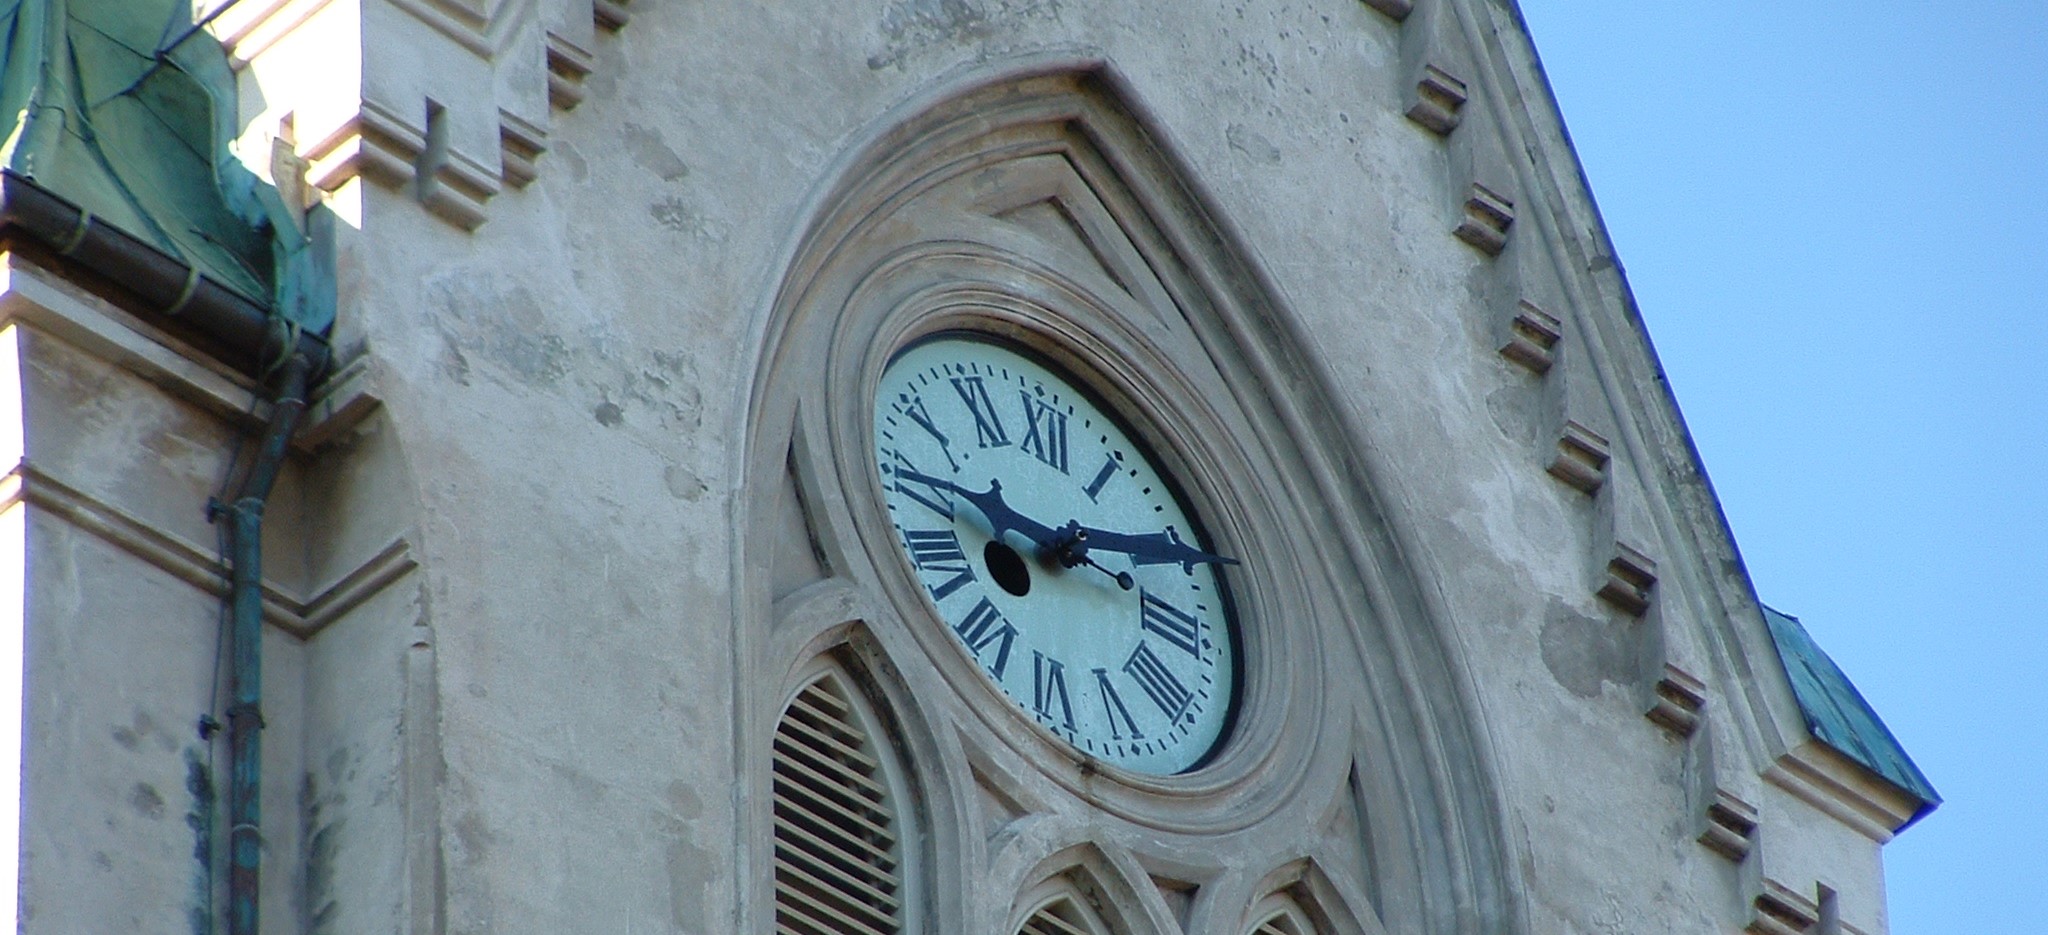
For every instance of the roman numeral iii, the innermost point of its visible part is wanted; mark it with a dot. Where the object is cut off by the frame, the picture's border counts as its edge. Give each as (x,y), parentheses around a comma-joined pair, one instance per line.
(1174,625)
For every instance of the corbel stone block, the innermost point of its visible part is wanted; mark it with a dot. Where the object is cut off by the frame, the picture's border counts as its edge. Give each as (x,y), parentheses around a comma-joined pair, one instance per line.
(520,143)
(1582,457)
(489,71)
(456,187)
(1630,576)
(1679,700)
(1436,100)
(1487,217)
(568,65)
(376,144)
(1396,10)
(1730,826)
(1780,911)
(1532,336)
(610,15)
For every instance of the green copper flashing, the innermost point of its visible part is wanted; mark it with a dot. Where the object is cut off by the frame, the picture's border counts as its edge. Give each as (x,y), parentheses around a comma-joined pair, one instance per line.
(110,111)
(1837,715)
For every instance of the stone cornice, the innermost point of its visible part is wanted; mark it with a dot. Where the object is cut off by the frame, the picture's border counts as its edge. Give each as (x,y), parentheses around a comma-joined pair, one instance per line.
(302,614)
(1815,774)
(452,136)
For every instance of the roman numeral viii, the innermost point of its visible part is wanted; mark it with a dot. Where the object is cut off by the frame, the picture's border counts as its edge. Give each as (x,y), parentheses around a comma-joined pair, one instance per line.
(988,429)
(938,551)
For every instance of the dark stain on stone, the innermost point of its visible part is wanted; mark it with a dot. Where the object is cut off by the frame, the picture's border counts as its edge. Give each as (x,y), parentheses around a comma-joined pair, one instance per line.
(321,839)
(1250,144)
(199,785)
(1582,652)
(146,801)
(909,25)
(609,414)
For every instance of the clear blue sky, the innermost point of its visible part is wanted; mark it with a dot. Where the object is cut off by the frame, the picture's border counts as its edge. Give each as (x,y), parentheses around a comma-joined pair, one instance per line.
(1834,216)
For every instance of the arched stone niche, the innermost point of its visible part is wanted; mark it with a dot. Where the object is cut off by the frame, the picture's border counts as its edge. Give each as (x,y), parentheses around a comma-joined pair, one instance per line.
(1036,207)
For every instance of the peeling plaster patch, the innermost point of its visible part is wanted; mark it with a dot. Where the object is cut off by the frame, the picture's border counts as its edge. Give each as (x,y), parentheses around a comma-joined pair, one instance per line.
(1582,653)
(579,168)
(683,484)
(1513,410)
(1248,141)
(502,325)
(648,149)
(688,880)
(911,25)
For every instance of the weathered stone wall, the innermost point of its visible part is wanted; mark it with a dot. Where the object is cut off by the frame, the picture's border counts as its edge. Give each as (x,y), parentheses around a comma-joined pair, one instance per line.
(509,575)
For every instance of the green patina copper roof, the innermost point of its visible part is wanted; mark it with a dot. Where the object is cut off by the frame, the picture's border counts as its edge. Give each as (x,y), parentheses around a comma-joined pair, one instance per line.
(1837,715)
(108,109)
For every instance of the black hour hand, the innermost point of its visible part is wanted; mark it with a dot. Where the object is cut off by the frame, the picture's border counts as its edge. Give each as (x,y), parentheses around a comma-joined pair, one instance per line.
(1001,517)
(1154,548)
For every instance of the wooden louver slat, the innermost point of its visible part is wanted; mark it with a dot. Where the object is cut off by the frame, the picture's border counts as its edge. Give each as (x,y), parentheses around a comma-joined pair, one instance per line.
(836,864)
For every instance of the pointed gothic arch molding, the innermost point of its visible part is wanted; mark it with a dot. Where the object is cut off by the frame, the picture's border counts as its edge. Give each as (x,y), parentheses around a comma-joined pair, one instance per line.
(1039,205)
(1086,886)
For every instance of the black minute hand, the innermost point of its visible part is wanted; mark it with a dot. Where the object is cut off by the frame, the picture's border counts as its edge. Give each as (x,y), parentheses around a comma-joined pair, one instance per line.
(1153,548)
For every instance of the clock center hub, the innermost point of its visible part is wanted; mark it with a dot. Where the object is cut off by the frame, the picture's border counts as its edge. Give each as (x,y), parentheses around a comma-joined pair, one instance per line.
(1007,568)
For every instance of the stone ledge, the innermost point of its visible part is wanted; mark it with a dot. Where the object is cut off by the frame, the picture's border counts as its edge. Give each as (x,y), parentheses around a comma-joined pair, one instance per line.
(301,616)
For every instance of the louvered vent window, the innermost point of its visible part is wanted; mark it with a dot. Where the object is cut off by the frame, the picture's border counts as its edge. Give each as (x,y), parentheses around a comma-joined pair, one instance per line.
(1059,917)
(837,863)
(1282,916)
(1279,924)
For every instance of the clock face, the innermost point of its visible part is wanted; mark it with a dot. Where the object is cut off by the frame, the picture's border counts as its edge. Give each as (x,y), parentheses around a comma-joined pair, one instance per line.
(1057,553)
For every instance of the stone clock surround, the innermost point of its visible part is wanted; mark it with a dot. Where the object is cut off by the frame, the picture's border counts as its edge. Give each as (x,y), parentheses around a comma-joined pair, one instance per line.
(1035,208)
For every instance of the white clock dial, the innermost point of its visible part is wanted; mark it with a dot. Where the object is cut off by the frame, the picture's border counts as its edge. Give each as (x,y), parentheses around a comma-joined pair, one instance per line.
(1056,553)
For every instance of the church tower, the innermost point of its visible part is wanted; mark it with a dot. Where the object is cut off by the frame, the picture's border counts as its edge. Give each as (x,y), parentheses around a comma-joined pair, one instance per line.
(938,466)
